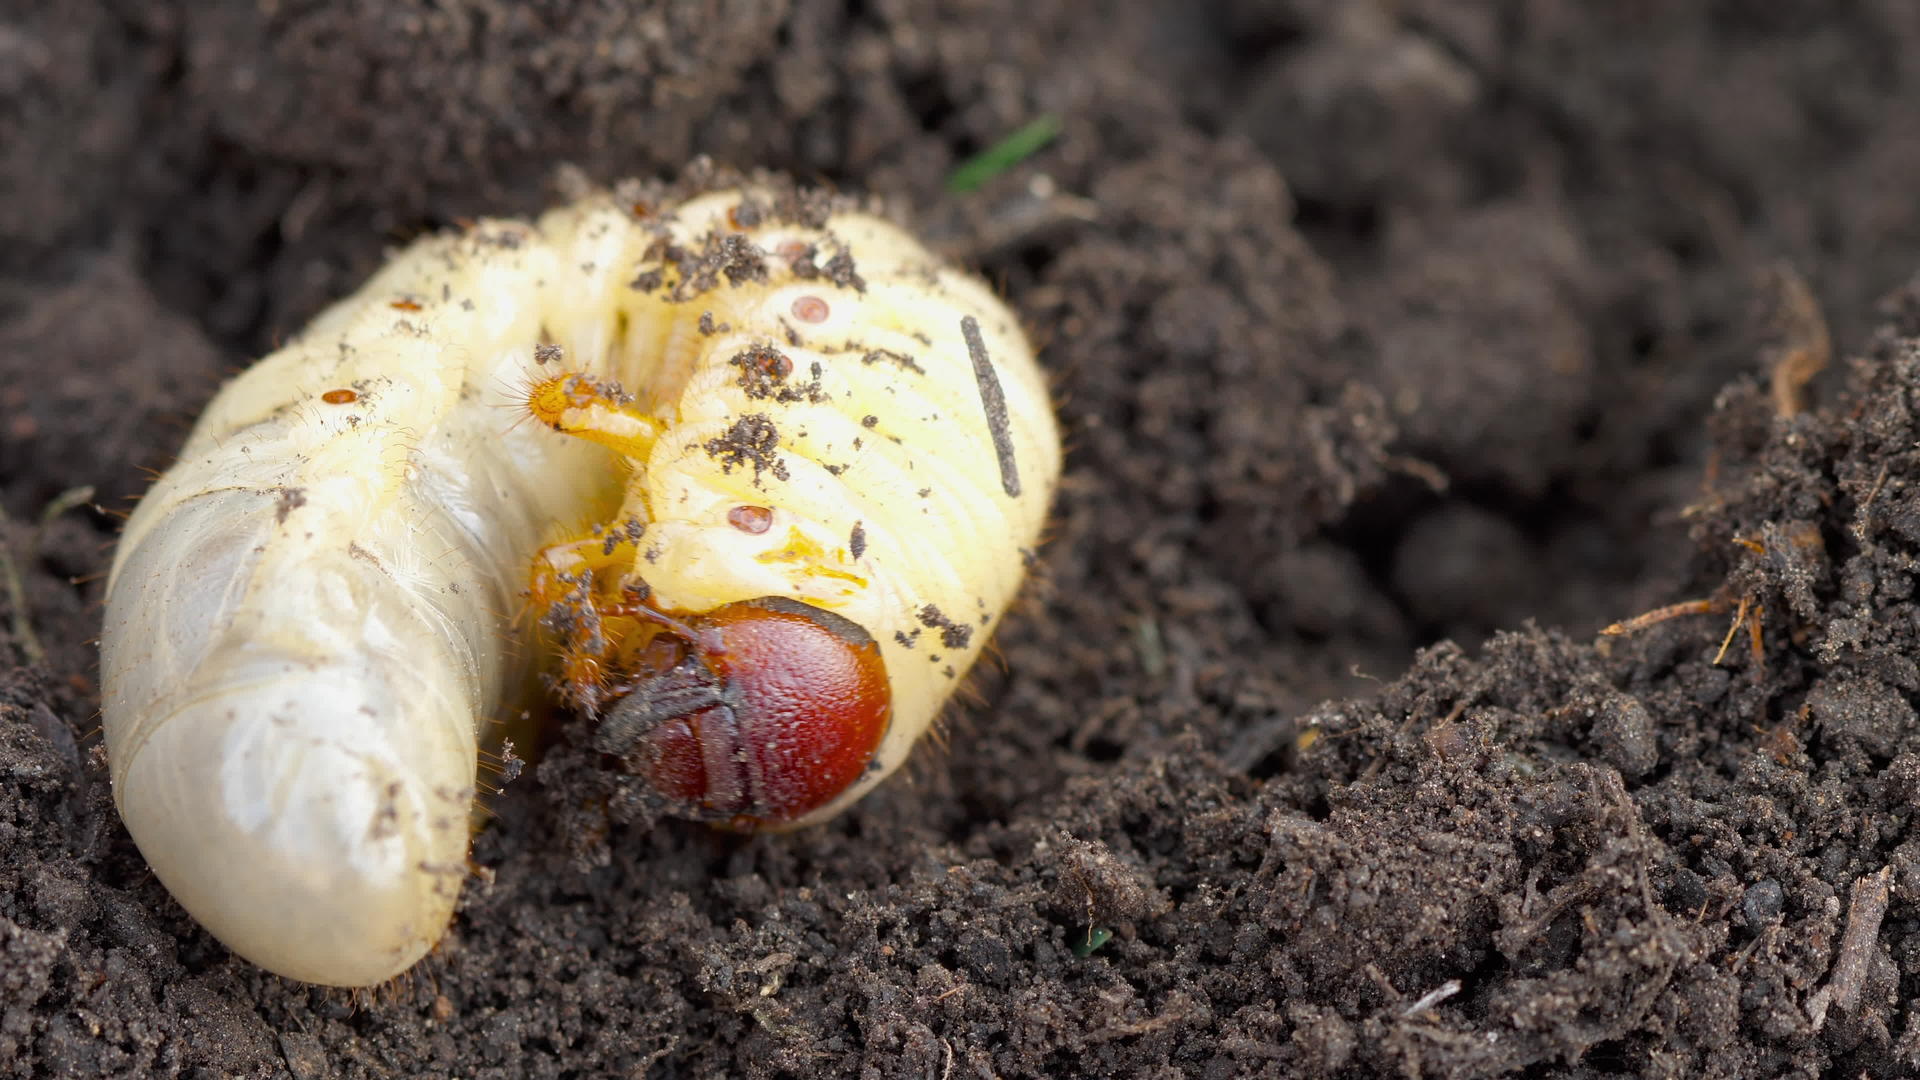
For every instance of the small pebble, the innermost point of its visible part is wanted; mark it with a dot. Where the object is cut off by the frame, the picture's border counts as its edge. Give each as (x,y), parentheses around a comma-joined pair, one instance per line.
(1763,903)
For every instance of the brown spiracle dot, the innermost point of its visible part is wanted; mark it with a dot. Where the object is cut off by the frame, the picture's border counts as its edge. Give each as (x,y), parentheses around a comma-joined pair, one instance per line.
(339,397)
(810,309)
(750,519)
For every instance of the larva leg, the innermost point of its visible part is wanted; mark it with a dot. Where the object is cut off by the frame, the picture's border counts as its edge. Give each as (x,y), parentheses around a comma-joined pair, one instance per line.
(601,412)
(576,595)
(576,587)
(561,571)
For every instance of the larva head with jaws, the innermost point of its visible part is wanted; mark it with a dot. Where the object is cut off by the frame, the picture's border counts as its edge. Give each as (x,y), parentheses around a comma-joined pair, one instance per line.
(756,713)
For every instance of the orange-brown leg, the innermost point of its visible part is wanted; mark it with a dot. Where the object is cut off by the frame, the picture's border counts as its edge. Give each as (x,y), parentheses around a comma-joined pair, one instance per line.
(578,405)
(575,590)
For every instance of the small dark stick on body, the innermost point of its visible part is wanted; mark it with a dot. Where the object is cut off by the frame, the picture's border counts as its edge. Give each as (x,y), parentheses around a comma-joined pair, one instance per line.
(995,404)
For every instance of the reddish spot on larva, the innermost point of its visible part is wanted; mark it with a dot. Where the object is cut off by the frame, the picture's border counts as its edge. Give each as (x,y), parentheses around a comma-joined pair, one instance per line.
(339,397)
(405,305)
(750,519)
(772,711)
(641,210)
(792,250)
(771,362)
(810,309)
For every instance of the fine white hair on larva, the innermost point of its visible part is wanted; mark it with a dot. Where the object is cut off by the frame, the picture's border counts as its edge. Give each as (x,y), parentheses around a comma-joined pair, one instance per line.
(791,424)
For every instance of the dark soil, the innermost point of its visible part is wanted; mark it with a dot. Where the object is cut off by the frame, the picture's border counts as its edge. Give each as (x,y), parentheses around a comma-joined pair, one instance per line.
(1402,344)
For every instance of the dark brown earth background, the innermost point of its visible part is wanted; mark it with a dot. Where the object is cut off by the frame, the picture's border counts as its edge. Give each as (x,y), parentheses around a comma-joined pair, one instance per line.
(1402,346)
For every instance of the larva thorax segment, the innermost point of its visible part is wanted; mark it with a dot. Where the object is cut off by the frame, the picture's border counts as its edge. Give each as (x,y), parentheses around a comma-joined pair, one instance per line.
(752,713)
(813,432)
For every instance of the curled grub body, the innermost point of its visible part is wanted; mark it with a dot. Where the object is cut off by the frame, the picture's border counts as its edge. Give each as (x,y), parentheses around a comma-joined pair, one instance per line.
(310,619)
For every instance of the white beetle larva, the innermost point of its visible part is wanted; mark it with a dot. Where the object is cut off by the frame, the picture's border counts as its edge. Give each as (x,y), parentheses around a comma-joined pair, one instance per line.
(822,460)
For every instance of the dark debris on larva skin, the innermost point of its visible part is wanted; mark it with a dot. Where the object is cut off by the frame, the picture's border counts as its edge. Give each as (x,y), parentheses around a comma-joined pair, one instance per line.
(751,440)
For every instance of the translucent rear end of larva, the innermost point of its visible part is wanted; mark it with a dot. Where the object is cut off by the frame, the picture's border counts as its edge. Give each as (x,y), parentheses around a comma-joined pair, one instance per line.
(307,622)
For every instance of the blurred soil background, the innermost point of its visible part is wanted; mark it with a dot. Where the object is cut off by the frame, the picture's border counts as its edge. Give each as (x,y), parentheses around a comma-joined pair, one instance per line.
(1402,345)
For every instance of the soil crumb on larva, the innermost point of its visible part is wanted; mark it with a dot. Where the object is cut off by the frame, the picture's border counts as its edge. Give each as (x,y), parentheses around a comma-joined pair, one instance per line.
(1303,755)
(753,440)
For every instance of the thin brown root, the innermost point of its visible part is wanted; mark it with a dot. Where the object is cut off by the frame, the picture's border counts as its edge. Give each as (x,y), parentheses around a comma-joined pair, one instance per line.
(23,634)
(1801,346)
(70,499)
(1661,614)
(1739,616)
(1427,473)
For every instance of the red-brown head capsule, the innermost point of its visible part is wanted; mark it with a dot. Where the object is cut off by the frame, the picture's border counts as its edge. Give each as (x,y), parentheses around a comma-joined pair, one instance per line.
(755,713)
